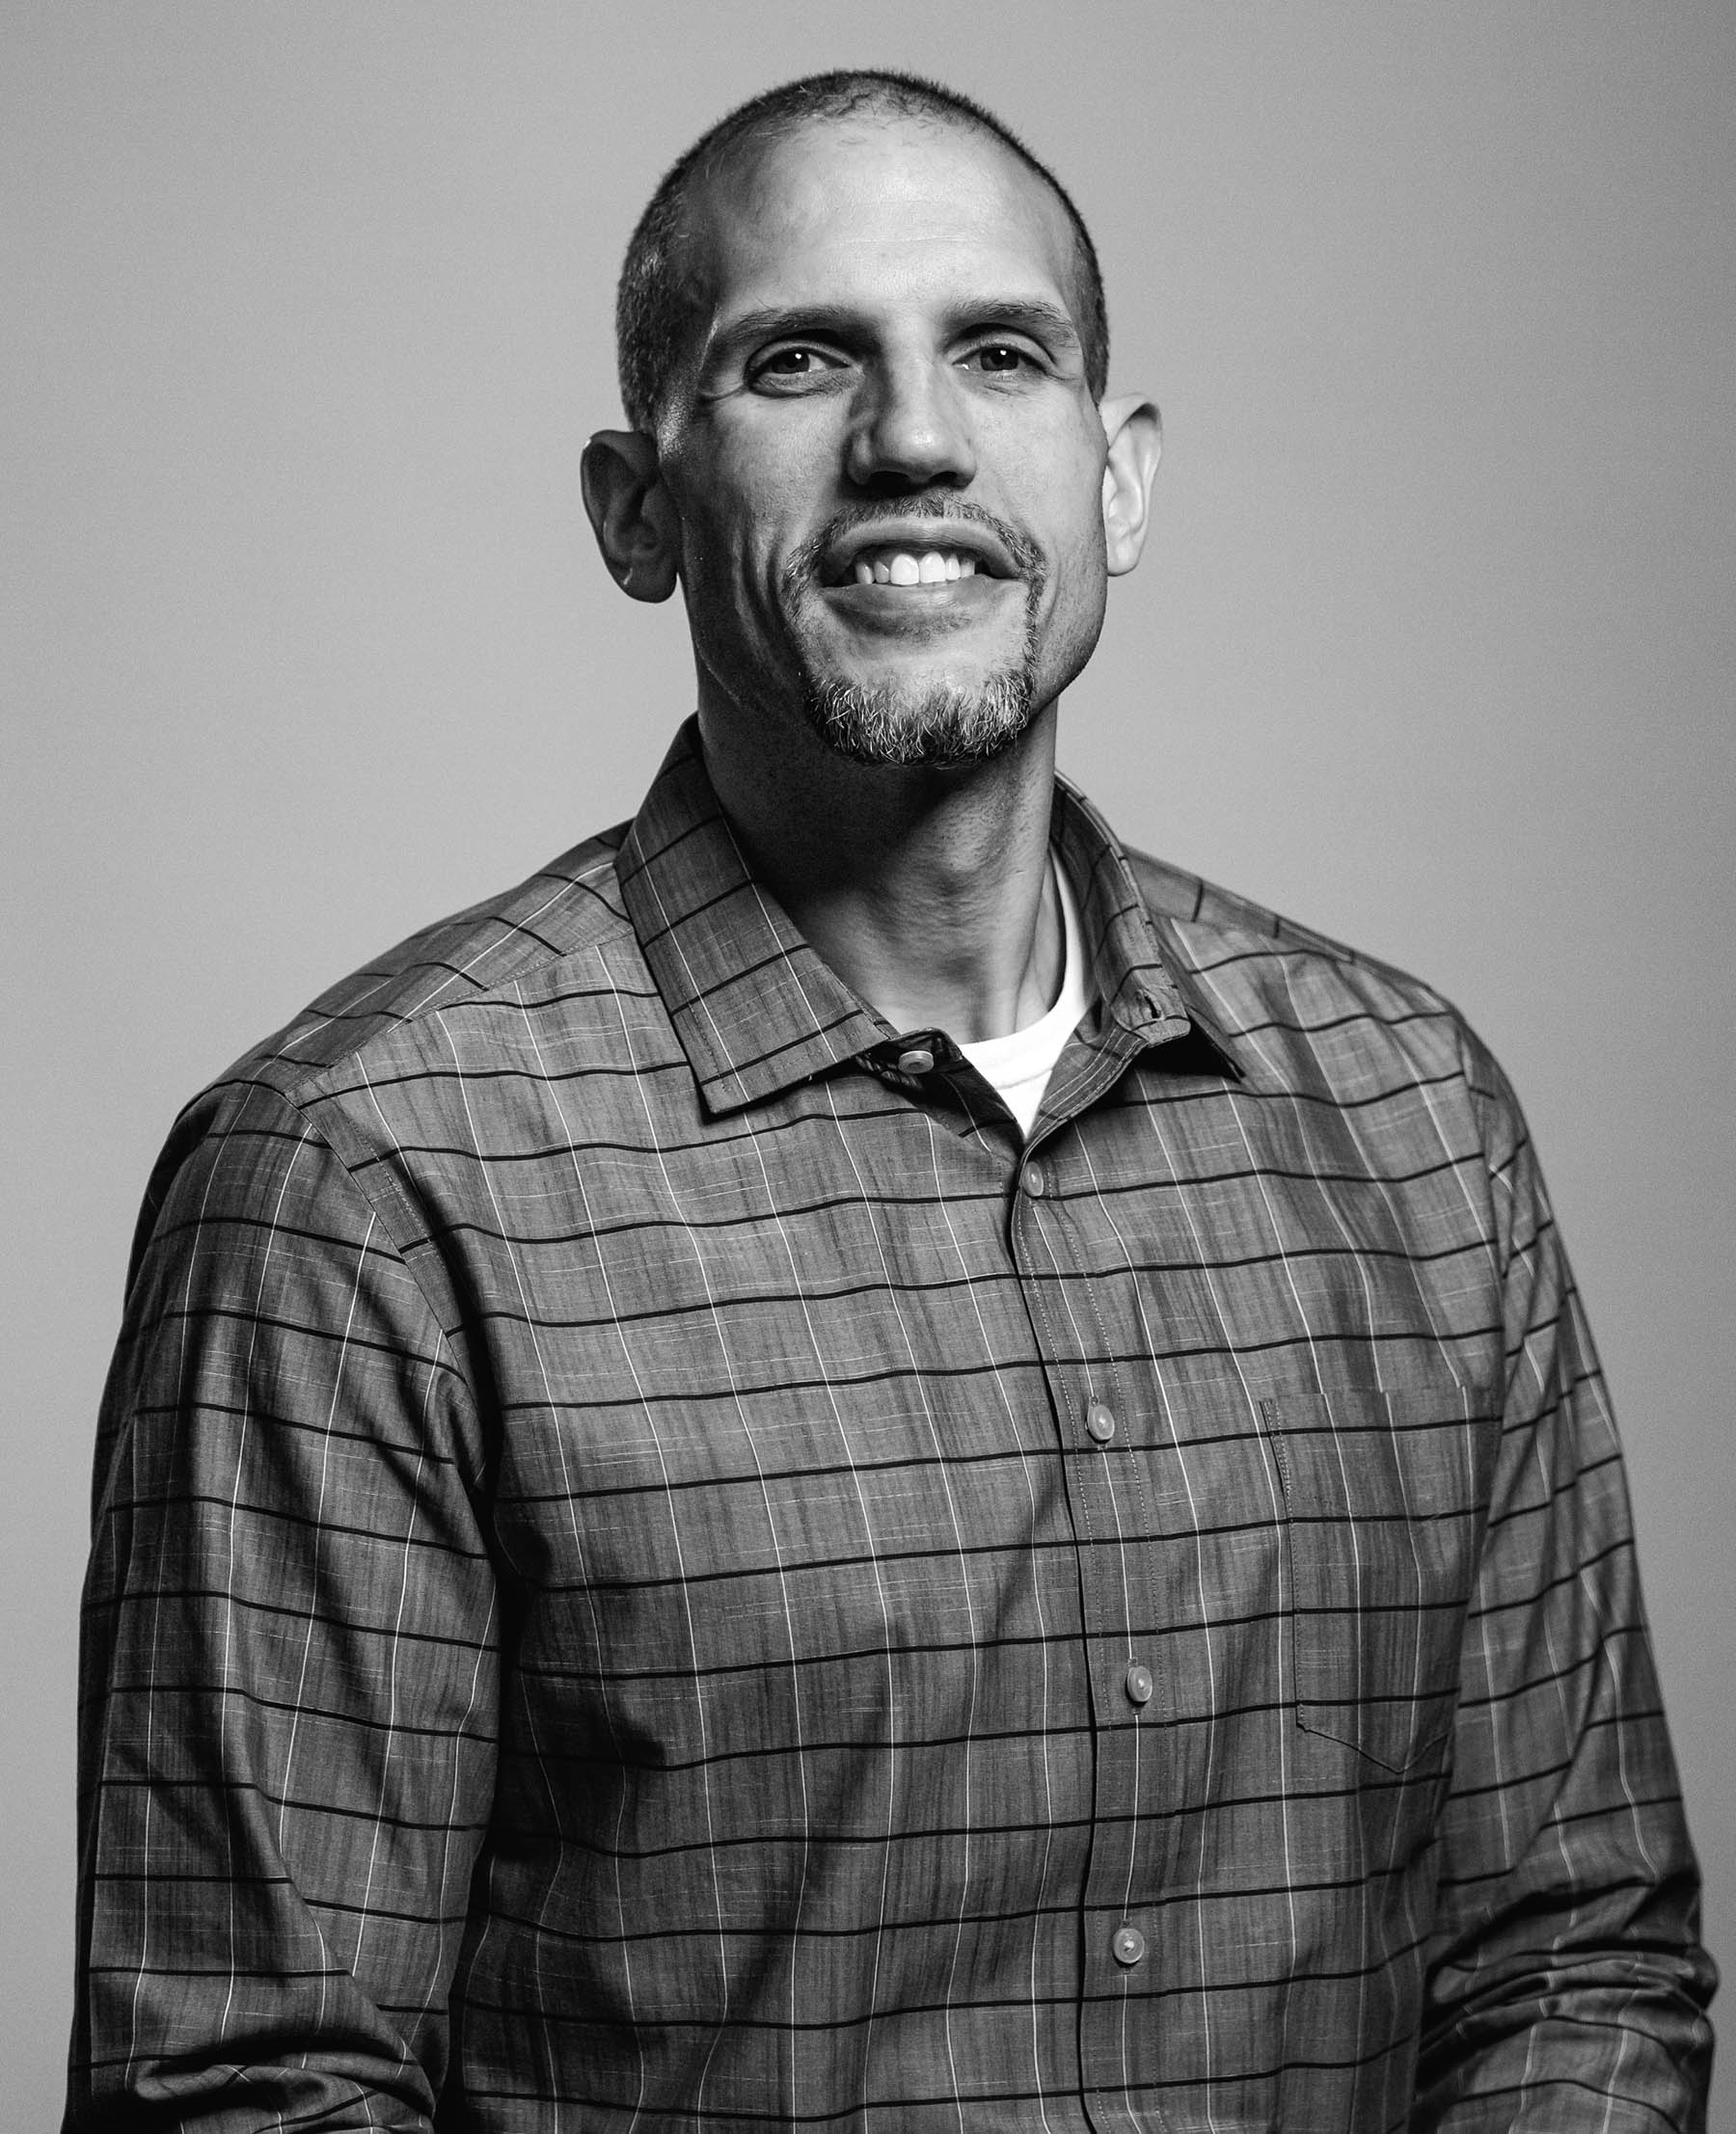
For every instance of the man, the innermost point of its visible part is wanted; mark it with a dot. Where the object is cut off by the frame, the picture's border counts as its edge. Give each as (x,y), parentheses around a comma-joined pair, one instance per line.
(857,1459)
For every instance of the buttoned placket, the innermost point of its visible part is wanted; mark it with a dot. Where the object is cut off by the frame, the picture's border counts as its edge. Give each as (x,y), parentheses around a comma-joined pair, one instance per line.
(1082,1320)
(1081,1324)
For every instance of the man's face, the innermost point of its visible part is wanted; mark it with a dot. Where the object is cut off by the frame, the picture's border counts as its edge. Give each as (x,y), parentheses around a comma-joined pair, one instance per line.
(886,461)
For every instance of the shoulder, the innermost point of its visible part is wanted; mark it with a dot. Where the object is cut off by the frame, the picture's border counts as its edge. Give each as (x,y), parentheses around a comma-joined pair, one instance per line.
(1226,934)
(1299,1007)
(499,949)
(1248,930)
(365,1043)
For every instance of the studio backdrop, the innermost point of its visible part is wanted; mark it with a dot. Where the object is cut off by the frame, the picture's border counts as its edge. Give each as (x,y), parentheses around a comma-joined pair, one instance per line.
(307,317)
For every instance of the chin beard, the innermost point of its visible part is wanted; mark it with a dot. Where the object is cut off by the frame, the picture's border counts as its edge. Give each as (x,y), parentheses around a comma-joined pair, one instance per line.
(916,722)
(937,725)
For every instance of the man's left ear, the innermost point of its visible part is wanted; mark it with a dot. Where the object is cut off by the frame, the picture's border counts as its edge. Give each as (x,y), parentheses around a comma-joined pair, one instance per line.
(1135,433)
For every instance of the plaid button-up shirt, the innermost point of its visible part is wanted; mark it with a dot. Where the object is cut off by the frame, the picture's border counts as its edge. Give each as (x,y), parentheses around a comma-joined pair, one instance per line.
(655,1568)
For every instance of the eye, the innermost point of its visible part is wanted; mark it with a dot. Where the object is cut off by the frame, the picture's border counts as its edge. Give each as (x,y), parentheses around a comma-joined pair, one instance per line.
(999,359)
(790,368)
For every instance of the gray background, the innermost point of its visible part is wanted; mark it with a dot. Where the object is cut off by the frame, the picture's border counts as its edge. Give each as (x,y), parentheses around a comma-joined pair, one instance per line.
(305,320)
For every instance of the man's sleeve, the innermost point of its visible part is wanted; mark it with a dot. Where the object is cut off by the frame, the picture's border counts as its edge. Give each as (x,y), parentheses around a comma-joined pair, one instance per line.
(287,1692)
(1567,1983)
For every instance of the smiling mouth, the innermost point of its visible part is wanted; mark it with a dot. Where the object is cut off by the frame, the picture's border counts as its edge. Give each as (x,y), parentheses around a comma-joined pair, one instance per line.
(881,566)
(903,566)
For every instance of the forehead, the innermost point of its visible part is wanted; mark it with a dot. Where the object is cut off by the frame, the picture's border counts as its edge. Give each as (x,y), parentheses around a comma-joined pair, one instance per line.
(873,210)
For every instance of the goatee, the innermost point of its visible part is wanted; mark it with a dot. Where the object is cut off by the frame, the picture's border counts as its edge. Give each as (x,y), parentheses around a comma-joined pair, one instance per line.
(897,724)
(915,722)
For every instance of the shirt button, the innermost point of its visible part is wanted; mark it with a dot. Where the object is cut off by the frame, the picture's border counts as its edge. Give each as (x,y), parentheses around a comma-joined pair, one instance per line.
(1099,1421)
(1128,1945)
(1032,1180)
(1139,1684)
(918,1060)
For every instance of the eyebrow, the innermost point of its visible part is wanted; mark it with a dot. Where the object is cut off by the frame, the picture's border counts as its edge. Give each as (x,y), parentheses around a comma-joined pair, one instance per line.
(1034,315)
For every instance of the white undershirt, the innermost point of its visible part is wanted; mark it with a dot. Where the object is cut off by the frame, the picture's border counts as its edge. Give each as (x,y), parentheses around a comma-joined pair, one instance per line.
(1019,1065)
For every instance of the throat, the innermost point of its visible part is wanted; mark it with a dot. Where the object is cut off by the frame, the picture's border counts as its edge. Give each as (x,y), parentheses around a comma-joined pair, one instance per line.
(924,886)
(981,963)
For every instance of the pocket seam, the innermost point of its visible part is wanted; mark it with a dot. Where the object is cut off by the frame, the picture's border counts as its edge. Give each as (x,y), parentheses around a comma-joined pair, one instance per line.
(1306,1710)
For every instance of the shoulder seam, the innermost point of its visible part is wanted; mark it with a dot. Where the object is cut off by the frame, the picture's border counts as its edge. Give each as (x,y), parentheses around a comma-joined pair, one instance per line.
(1280,933)
(317,1133)
(295,1078)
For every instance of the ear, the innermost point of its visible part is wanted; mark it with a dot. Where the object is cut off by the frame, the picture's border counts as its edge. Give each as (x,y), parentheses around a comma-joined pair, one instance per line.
(1135,433)
(632,513)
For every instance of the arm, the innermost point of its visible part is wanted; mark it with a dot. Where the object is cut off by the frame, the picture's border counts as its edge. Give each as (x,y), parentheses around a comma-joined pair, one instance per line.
(287,1691)
(1567,1983)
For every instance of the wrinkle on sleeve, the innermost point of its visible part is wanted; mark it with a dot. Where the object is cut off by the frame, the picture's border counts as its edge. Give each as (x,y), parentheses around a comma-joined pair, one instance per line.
(1567,1981)
(289,1664)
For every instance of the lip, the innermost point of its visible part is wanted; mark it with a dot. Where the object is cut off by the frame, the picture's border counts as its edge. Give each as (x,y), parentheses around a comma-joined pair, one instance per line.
(965,536)
(919,611)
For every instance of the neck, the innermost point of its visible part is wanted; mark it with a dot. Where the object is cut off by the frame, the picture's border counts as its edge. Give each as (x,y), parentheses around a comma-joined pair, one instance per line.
(927,890)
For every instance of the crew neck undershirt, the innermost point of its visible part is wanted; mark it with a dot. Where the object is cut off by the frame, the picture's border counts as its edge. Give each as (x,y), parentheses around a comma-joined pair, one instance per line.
(1019,1065)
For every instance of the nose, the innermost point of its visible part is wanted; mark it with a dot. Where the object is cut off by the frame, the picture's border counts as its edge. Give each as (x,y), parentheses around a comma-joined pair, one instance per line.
(910,430)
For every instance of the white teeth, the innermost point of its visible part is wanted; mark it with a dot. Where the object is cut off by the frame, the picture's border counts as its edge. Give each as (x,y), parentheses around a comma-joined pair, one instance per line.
(901,567)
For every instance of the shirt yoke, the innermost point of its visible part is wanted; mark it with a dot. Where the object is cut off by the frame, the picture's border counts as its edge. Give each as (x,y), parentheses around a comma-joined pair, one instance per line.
(564,911)
(1256,968)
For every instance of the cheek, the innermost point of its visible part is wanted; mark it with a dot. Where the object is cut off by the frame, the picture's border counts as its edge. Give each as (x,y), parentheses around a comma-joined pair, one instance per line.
(1077,593)
(738,532)
(1080,555)
(731,578)
(716,548)
(1056,482)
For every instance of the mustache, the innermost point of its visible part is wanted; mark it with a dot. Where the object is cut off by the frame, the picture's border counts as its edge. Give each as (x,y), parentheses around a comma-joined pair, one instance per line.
(804,562)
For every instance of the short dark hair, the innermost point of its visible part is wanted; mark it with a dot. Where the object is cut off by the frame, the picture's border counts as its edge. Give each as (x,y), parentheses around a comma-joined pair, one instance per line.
(655,309)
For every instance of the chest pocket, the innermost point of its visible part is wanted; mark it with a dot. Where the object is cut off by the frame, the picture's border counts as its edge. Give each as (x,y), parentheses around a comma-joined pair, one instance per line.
(1383,1521)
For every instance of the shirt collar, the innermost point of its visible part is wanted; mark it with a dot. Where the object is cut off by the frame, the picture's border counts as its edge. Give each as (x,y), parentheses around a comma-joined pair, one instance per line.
(753,1006)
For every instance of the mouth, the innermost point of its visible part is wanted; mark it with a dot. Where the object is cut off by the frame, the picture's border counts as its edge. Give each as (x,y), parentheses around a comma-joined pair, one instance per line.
(917,553)
(897,589)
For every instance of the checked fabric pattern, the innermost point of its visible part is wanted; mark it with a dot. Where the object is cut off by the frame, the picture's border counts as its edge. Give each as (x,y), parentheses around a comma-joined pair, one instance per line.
(656,1570)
